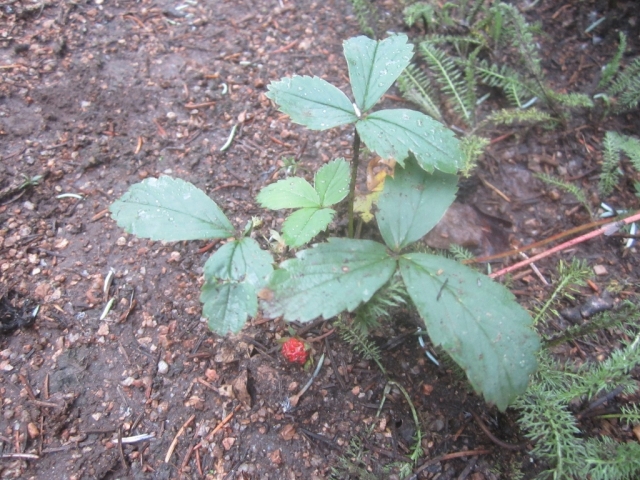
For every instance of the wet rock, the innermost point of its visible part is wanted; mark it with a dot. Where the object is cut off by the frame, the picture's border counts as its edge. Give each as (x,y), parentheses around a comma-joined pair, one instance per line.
(591,306)
(572,314)
(465,226)
(596,304)
(519,182)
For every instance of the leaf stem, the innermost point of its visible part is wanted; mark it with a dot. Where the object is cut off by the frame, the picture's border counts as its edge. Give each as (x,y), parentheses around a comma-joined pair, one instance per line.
(354,176)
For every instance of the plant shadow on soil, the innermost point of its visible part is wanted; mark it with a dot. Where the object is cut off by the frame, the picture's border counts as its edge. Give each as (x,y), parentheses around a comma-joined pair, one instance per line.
(99,95)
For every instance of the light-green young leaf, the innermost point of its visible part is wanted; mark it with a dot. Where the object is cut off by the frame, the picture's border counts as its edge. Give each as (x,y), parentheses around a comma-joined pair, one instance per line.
(332,182)
(312,102)
(170,209)
(234,274)
(396,133)
(375,65)
(412,203)
(240,261)
(304,224)
(227,306)
(328,279)
(477,321)
(293,192)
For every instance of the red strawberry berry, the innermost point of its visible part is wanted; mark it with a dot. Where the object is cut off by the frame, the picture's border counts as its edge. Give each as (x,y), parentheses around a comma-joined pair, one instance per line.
(294,351)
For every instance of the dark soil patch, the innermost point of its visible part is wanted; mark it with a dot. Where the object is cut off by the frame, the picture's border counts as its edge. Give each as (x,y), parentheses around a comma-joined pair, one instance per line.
(96,96)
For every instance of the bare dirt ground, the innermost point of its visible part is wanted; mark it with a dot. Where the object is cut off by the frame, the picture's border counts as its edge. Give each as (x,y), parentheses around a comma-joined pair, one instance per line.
(97,95)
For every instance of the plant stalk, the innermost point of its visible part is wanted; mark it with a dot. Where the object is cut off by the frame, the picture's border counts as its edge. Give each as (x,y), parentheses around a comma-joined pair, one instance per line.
(354,176)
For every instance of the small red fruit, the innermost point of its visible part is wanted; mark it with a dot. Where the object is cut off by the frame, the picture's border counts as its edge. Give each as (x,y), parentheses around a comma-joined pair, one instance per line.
(294,350)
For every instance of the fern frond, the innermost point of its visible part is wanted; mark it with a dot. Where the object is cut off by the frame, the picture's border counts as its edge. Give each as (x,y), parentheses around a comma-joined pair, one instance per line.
(613,144)
(607,459)
(391,296)
(509,116)
(360,342)
(611,68)
(570,100)
(626,315)
(546,418)
(474,10)
(631,146)
(366,15)
(420,11)
(449,77)
(472,147)
(605,376)
(626,88)
(460,253)
(416,88)
(567,187)
(519,34)
(610,158)
(456,40)
(548,422)
(508,80)
(570,276)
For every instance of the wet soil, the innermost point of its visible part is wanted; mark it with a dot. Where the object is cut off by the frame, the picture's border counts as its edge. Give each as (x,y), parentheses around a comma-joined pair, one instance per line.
(98,95)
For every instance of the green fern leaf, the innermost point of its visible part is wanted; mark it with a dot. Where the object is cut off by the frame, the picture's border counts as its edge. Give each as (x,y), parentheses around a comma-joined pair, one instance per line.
(416,88)
(449,77)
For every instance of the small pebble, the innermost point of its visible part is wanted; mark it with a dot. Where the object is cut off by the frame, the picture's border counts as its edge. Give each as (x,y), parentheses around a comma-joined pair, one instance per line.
(600,270)
(163,367)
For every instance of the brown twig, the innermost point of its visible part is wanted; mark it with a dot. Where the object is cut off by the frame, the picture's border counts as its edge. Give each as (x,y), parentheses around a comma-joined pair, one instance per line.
(230,185)
(223,423)
(121,450)
(321,337)
(448,456)
(540,243)
(174,443)
(493,438)
(604,230)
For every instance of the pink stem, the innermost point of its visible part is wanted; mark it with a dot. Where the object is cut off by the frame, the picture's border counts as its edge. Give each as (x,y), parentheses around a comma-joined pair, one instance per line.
(600,231)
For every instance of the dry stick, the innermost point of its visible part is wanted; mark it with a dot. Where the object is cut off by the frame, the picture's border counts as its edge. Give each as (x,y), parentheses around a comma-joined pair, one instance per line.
(172,447)
(540,243)
(223,423)
(28,456)
(494,439)
(604,230)
(448,456)
(121,450)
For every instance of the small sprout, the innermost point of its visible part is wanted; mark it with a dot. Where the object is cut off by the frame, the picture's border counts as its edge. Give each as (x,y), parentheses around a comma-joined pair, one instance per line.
(227,144)
(69,195)
(108,280)
(107,309)
(30,181)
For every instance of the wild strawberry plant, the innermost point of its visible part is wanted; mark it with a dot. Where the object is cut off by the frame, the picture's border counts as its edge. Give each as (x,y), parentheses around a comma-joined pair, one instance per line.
(477,321)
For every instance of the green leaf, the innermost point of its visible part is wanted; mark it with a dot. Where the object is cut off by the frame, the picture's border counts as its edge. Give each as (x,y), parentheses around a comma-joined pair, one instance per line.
(375,65)
(293,192)
(328,279)
(240,261)
(170,209)
(312,102)
(395,133)
(228,305)
(332,182)
(477,321)
(233,275)
(304,224)
(412,203)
